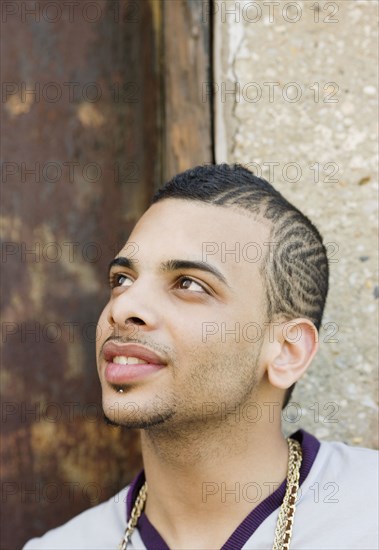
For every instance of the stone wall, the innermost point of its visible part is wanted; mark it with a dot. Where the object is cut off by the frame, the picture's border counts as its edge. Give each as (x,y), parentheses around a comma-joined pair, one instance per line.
(296,100)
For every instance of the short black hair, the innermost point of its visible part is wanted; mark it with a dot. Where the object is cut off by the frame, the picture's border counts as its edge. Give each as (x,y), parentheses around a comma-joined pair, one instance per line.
(295,272)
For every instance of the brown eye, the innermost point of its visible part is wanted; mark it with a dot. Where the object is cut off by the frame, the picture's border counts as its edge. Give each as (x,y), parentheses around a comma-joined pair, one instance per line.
(186,283)
(120,279)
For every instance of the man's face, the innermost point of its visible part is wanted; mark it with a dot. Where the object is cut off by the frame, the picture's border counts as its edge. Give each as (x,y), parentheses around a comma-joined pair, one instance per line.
(205,328)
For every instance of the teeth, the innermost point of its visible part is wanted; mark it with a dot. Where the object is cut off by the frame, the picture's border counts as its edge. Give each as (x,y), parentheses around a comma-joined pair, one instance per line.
(122,360)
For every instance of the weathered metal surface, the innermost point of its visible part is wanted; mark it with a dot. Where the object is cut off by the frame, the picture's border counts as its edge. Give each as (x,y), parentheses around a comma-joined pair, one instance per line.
(101,102)
(80,161)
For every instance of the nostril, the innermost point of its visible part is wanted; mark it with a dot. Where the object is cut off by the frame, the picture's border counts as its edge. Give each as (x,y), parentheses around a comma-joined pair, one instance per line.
(134,321)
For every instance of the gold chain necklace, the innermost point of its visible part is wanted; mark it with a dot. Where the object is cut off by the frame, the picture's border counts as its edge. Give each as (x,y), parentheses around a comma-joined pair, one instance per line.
(284,524)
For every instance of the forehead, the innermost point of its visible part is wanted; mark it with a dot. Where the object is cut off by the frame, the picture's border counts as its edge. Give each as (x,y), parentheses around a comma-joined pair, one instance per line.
(188,228)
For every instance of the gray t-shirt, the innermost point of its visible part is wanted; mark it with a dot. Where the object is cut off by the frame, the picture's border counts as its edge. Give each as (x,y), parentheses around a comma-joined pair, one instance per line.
(337,508)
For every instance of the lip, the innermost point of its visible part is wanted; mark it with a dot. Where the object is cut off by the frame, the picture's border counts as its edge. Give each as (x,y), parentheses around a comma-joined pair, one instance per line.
(123,374)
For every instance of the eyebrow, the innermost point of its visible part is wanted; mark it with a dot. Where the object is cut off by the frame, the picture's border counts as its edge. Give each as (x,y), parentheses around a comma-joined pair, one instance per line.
(172,265)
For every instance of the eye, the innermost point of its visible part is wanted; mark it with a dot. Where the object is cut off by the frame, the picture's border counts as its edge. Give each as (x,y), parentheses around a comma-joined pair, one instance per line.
(119,279)
(186,283)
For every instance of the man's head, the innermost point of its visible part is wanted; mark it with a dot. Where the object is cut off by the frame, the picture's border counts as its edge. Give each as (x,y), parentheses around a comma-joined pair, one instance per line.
(221,266)
(295,270)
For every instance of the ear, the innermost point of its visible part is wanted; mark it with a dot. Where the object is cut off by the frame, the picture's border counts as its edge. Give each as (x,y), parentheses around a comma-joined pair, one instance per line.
(297,344)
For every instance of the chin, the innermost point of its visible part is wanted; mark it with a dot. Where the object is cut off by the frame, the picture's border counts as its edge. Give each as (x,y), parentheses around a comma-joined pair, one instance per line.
(121,410)
(141,423)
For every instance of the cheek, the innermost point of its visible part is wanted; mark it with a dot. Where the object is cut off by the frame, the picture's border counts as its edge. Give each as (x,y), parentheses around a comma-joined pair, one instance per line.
(103,328)
(190,333)
(221,329)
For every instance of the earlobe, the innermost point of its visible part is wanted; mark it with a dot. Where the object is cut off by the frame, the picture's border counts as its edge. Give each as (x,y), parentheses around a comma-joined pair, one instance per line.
(298,341)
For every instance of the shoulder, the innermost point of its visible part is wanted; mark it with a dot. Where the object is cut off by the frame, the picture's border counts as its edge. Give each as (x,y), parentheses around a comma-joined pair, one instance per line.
(348,463)
(340,490)
(98,528)
(351,471)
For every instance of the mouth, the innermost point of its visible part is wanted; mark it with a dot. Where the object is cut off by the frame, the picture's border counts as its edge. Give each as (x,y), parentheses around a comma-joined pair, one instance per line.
(127,363)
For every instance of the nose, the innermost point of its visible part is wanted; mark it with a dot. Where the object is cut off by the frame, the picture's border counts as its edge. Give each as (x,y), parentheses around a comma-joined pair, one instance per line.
(134,307)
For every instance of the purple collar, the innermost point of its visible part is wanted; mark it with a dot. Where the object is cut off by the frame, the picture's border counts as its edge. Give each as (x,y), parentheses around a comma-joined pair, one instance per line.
(153,540)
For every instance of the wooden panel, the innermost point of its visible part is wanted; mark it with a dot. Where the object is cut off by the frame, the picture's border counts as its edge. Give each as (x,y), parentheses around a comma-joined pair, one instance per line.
(187,138)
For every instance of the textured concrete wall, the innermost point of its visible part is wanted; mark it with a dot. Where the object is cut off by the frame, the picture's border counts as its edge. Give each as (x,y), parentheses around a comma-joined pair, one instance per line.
(296,99)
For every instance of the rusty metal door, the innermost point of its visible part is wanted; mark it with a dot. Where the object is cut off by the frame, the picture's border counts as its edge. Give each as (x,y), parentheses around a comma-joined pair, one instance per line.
(101,101)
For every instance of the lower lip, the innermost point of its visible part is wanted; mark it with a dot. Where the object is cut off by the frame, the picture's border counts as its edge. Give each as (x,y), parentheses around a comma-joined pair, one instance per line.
(122,374)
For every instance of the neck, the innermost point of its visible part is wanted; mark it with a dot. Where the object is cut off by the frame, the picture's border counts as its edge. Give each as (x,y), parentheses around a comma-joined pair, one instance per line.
(219,472)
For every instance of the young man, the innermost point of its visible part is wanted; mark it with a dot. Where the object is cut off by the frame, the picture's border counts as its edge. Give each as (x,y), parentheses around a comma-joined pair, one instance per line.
(214,307)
